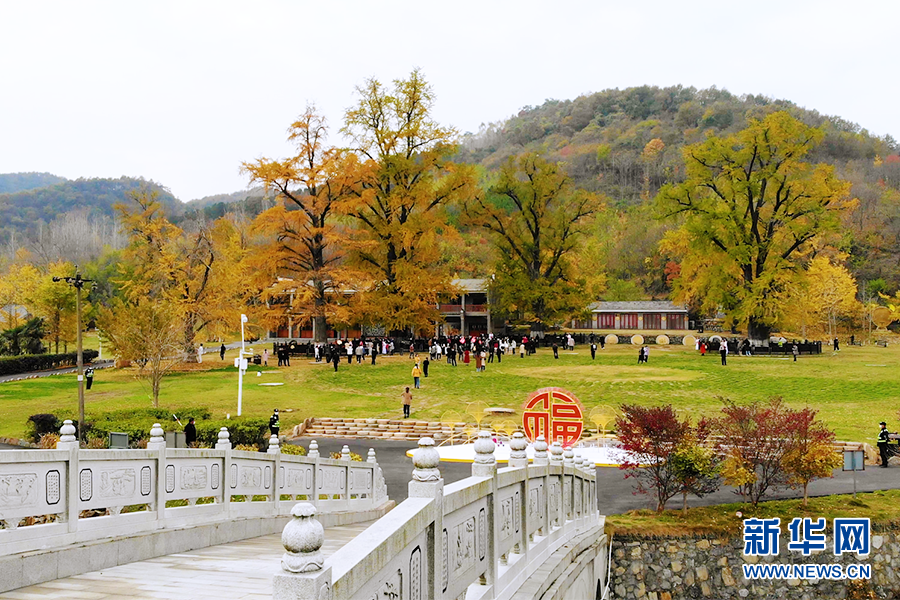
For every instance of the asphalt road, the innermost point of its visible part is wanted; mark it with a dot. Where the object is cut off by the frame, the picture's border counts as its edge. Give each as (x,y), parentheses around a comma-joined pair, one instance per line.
(614,492)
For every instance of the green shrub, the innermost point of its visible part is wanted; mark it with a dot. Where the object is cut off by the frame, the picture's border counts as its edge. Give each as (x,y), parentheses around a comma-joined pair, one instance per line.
(41,424)
(12,365)
(293,449)
(243,431)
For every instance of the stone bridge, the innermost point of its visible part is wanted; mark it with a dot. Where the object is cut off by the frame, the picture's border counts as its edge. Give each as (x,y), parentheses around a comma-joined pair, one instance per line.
(523,532)
(68,511)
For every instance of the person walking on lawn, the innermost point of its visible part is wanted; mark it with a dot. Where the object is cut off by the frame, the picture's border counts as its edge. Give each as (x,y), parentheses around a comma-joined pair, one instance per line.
(407,400)
(416,374)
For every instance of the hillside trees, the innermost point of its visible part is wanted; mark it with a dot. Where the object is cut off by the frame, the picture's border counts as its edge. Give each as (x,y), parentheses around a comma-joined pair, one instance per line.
(537,220)
(750,207)
(402,186)
(306,242)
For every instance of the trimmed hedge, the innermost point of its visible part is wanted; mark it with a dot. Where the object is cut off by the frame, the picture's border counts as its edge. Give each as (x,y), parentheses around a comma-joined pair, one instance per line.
(41,424)
(13,365)
(245,430)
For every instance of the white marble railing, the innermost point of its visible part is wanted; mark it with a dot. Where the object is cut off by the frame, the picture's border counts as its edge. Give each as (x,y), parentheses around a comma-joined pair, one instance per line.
(56,486)
(479,538)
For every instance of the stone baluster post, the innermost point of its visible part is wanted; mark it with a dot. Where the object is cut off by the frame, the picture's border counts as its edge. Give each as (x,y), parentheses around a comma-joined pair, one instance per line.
(568,458)
(485,465)
(568,484)
(345,457)
(427,483)
(371,457)
(273,445)
(556,454)
(313,449)
(223,443)
(157,443)
(518,445)
(68,442)
(302,576)
(540,452)
(314,454)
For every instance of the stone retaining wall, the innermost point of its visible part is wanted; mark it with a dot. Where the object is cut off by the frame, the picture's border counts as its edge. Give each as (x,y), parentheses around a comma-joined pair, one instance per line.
(690,568)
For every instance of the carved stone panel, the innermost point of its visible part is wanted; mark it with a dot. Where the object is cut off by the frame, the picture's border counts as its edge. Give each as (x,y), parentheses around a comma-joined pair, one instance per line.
(517,513)
(482,534)
(445,560)
(391,589)
(360,481)
(251,477)
(554,503)
(332,480)
(18,489)
(170,478)
(146,481)
(234,475)
(506,518)
(267,477)
(577,496)
(53,491)
(86,487)
(415,575)
(463,546)
(214,476)
(194,477)
(297,478)
(116,483)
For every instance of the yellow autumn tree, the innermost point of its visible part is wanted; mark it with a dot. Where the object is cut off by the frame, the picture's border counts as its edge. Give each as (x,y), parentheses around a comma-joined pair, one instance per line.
(16,288)
(830,294)
(299,267)
(402,186)
(54,302)
(198,269)
(751,206)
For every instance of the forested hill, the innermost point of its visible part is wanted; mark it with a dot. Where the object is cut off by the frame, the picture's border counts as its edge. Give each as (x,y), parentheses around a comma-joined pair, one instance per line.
(22,212)
(16,182)
(628,143)
(604,137)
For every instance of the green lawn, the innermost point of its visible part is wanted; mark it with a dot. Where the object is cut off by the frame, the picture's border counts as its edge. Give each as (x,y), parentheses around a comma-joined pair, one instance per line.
(853,389)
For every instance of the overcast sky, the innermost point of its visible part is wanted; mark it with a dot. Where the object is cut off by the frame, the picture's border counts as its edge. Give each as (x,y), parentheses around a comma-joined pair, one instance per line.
(181,92)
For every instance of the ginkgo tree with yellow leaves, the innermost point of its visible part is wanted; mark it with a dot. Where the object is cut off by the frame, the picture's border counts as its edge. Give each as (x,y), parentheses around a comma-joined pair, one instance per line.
(748,209)
(401,187)
(821,295)
(304,241)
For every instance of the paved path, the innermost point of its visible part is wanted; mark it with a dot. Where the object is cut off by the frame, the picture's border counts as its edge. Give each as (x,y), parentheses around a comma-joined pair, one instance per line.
(236,571)
(97,364)
(614,492)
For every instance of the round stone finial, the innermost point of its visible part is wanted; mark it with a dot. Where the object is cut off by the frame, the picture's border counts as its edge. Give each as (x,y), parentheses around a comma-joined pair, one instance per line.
(313,449)
(302,538)
(345,453)
(273,445)
(224,440)
(540,451)
(67,431)
(426,460)
(157,438)
(371,457)
(517,450)
(484,449)
(556,453)
(568,457)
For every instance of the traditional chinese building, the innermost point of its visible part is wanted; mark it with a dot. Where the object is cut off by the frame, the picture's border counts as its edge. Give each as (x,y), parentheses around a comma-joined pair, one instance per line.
(470,312)
(635,315)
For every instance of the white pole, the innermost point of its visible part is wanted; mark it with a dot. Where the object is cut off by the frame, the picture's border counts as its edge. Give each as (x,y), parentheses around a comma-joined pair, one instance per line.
(241,366)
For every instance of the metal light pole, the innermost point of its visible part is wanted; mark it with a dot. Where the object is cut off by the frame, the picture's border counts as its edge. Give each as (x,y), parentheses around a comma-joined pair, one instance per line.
(77,282)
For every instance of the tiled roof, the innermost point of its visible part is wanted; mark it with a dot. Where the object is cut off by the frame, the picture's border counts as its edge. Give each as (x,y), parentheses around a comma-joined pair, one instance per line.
(471,285)
(638,306)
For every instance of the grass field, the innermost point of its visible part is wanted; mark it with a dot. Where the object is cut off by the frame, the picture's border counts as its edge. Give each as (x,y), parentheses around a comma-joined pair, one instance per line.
(853,389)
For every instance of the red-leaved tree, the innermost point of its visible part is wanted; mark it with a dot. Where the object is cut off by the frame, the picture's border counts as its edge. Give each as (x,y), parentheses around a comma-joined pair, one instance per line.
(652,435)
(768,445)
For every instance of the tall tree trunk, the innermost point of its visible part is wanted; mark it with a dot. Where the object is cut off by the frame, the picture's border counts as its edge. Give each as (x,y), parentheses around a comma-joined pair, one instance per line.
(320,325)
(758,332)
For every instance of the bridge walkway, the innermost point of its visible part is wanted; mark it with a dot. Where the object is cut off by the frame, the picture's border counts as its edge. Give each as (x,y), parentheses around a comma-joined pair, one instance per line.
(237,571)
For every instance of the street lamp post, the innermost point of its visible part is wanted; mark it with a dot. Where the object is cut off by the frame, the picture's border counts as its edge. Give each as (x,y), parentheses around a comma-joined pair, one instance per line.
(77,282)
